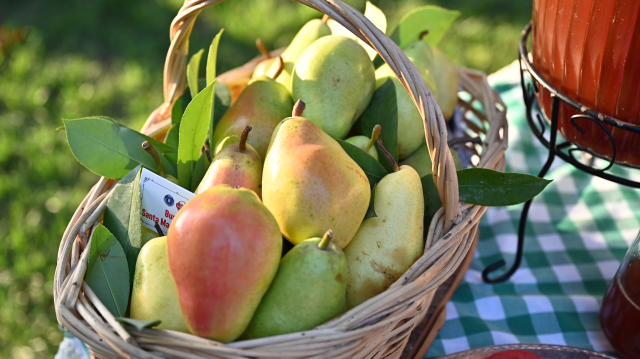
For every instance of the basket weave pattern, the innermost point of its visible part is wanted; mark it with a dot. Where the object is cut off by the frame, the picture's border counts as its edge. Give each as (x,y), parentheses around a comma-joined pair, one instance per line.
(378,328)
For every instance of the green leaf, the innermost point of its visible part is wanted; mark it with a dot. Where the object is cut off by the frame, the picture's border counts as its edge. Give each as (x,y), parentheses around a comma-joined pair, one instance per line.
(222,102)
(383,111)
(176,117)
(487,187)
(110,149)
(193,68)
(212,58)
(139,324)
(122,216)
(107,271)
(432,201)
(199,171)
(193,132)
(371,211)
(372,168)
(434,19)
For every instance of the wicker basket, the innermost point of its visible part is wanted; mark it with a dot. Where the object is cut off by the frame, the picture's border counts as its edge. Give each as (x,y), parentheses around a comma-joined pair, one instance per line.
(378,328)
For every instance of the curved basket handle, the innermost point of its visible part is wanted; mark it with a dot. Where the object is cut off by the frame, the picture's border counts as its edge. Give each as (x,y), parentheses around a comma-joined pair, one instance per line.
(444,171)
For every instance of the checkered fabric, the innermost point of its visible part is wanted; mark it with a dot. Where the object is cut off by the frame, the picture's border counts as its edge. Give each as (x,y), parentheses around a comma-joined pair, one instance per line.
(578,231)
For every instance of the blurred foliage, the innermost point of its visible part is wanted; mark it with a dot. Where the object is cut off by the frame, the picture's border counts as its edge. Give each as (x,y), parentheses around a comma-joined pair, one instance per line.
(105,57)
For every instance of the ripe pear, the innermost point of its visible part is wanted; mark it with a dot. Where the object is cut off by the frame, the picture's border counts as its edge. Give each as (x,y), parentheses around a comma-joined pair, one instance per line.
(238,165)
(421,161)
(261,105)
(336,79)
(224,247)
(310,184)
(308,290)
(387,245)
(447,82)
(154,295)
(310,32)
(410,123)
(365,143)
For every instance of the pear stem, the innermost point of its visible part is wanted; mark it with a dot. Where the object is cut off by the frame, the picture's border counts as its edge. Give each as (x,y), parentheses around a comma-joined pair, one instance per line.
(263,49)
(423,34)
(147,146)
(325,18)
(279,69)
(326,239)
(298,109)
(393,162)
(374,137)
(243,139)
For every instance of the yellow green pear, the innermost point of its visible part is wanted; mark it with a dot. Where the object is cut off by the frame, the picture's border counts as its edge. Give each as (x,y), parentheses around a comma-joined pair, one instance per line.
(310,32)
(365,143)
(420,160)
(309,183)
(387,245)
(336,79)
(447,82)
(154,295)
(410,123)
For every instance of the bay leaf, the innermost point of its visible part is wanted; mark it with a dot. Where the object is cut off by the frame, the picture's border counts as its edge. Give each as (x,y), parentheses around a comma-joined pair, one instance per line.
(432,201)
(212,58)
(383,111)
(432,19)
(194,127)
(193,69)
(371,211)
(371,167)
(199,171)
(107,271)
(487,187)
(110,149)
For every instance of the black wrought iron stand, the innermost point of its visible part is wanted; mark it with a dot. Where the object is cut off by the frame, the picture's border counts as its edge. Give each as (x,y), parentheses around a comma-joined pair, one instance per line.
(530,79)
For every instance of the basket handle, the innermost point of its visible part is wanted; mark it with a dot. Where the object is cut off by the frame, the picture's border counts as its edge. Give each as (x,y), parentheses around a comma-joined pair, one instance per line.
(444,171)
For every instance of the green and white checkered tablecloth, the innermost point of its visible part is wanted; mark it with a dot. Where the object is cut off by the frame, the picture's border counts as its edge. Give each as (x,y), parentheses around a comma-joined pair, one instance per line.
(578,230)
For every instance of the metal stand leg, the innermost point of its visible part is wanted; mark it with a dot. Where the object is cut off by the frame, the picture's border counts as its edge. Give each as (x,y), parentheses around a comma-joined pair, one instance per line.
(525,211)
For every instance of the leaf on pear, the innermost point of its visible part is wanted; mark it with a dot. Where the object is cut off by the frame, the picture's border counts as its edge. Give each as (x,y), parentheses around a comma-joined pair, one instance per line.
(107,271)
(487,187)
(432,19)
(383,111)
(193,68)
(432,201)
(212,58)
(371,211)
(122,217)
(199,171)
(372,168)
(138,324)
(110,149)
(193,132)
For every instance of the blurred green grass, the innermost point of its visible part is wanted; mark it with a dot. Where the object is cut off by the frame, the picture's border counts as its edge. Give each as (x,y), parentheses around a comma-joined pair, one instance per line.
(105,57)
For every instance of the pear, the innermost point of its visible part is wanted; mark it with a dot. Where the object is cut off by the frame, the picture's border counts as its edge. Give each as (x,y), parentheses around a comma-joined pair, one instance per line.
(447,82)
(336,79)
(387,245)
(224,248)
(262,104)
(365,143)
(310,32)
(263,66)
(310,184)
(410,123)
(154,295)
(420,160)
(308,290)
(238,165)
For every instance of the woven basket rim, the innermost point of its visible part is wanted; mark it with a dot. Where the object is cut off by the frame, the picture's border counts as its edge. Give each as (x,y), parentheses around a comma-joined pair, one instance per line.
(380,325)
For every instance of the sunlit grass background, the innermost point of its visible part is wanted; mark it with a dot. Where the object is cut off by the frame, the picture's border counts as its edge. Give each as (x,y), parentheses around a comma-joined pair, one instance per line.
(105,57)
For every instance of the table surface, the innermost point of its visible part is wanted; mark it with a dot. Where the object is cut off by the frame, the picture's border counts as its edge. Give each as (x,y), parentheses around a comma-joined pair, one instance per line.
(578,231)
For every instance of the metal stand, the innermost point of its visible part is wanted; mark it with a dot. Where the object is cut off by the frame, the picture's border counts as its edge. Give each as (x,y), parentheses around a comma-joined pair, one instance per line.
(530,79)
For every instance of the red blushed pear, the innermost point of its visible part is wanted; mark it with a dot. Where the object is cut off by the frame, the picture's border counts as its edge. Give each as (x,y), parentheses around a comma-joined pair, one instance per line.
(224,248)
(237,165)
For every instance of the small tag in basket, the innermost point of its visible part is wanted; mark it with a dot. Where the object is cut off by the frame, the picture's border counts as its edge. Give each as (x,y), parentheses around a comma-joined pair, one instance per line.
(160,200)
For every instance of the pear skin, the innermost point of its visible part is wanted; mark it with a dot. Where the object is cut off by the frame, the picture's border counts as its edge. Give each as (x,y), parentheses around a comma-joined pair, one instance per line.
(261,105)
(310,32)
(420,160)
(310,184)
(387,245)
(308,290)
(336,79)
(447,82)
(224,248)
(154,295)
(237,165)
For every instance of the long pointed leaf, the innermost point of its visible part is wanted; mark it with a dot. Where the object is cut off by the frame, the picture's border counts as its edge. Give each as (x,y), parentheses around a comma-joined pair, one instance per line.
(372,168)
(383,111)
(492,188)
(193,68)
(212,59)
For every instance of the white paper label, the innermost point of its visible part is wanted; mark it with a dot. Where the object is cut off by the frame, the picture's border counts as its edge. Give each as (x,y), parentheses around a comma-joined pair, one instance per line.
(161,200)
